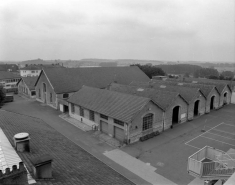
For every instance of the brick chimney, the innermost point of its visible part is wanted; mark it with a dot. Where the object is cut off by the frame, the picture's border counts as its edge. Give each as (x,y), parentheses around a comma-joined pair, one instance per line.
(14,176)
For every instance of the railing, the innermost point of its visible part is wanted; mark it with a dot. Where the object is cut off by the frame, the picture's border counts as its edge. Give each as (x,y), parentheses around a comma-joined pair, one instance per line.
(211,163)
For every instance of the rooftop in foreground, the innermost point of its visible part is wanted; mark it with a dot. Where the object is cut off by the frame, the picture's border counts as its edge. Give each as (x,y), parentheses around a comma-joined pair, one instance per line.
(71,164)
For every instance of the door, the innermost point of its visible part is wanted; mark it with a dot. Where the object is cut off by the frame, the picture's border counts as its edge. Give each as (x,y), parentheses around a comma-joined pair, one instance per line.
(196,108)
(119,134)
(212,102)
(104,127)
(175,115)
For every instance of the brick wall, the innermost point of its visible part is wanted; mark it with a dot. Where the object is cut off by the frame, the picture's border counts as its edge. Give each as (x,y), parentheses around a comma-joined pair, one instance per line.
(214,93)
(15,176)
(45,97)
(182,113)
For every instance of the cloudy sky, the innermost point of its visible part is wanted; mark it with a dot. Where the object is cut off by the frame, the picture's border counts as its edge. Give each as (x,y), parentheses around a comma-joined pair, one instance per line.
(201,30)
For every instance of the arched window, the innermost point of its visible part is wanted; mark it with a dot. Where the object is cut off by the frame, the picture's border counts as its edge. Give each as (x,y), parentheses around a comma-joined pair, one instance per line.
(147,121)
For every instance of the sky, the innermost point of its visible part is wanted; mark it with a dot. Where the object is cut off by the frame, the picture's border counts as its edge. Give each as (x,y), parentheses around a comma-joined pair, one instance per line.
(170,30)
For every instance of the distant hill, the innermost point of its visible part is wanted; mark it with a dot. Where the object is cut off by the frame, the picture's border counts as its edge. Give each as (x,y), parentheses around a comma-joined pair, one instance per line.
(35,61)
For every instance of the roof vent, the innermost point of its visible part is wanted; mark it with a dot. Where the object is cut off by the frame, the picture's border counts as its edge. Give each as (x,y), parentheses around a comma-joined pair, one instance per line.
(162,86)
(21,141)
(180,84)
(194,82)
(140,89)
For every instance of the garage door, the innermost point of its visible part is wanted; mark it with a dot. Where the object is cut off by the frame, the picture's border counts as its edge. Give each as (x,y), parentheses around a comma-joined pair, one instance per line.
(104,127)
(119,133)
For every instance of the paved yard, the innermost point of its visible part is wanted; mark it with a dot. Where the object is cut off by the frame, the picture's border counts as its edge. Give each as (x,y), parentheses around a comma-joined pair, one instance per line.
(168,151)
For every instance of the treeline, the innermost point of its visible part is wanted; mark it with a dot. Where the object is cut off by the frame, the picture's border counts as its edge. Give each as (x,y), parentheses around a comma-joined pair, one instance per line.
(205,73)
(151,71)
(179,68)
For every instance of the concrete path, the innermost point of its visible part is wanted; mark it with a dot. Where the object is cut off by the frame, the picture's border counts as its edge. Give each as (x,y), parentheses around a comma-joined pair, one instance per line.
(138,167)
(9,157)
(197,181)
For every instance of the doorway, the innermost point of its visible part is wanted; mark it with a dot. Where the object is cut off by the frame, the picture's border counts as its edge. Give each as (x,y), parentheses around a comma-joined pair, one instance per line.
(212,103)
(175,115)
(225,98)
(196,108)
(66,108)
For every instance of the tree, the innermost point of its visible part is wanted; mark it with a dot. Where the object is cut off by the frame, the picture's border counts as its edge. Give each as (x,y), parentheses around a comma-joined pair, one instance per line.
(2,94)
(151,71)
(206,73)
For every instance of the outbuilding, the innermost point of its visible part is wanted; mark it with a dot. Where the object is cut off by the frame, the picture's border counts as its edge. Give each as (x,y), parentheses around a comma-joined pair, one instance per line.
(125,117)
(55,85)
(195,98)
(172,103)
(26,86)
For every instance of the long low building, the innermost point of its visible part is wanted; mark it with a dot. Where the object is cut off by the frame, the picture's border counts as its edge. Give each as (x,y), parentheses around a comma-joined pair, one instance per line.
(122,116)
(195,98)
(210,92)
(172,103)
(55,85)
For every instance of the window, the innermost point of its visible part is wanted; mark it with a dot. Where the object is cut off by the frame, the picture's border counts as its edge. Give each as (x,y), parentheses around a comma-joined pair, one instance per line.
(72,108)
(118,122)
(33,71)
(148,121)
(65,95)
(39,93)
(103,116)
(50,97)
(81,112)
(92,115)
(44,87)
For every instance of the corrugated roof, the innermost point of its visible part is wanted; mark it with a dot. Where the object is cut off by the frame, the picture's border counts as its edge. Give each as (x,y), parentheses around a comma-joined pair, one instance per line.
(162,98)
(30,81)
(72,79)
(8,75)
(117,105)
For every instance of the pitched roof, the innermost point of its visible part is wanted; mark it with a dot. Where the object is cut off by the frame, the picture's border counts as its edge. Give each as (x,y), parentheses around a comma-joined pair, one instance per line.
(30,81)
(219,85)
(162,98)
(189,94)
(72,79)
(8,75)
(117,105)
(205,88)
(72,164)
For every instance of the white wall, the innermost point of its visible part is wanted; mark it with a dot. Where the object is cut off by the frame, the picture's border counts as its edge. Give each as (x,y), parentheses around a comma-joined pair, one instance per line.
(26,73)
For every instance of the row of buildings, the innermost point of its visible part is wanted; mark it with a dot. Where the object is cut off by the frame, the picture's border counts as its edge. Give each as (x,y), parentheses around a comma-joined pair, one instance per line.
(122,101)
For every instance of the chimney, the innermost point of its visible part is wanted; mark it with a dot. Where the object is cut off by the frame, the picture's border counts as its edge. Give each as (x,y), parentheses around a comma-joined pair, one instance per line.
(21,141)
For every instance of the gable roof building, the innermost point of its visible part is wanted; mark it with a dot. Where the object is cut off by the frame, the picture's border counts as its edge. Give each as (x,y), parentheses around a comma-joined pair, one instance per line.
(120,115)
(168,101)
(26,86)
(61,81)
(113,104)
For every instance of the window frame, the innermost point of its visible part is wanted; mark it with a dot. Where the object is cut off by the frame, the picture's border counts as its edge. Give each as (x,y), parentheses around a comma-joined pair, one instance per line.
(91,115)
(81,111)
(72,108)
(147,121)
(118,122)
(104,116)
